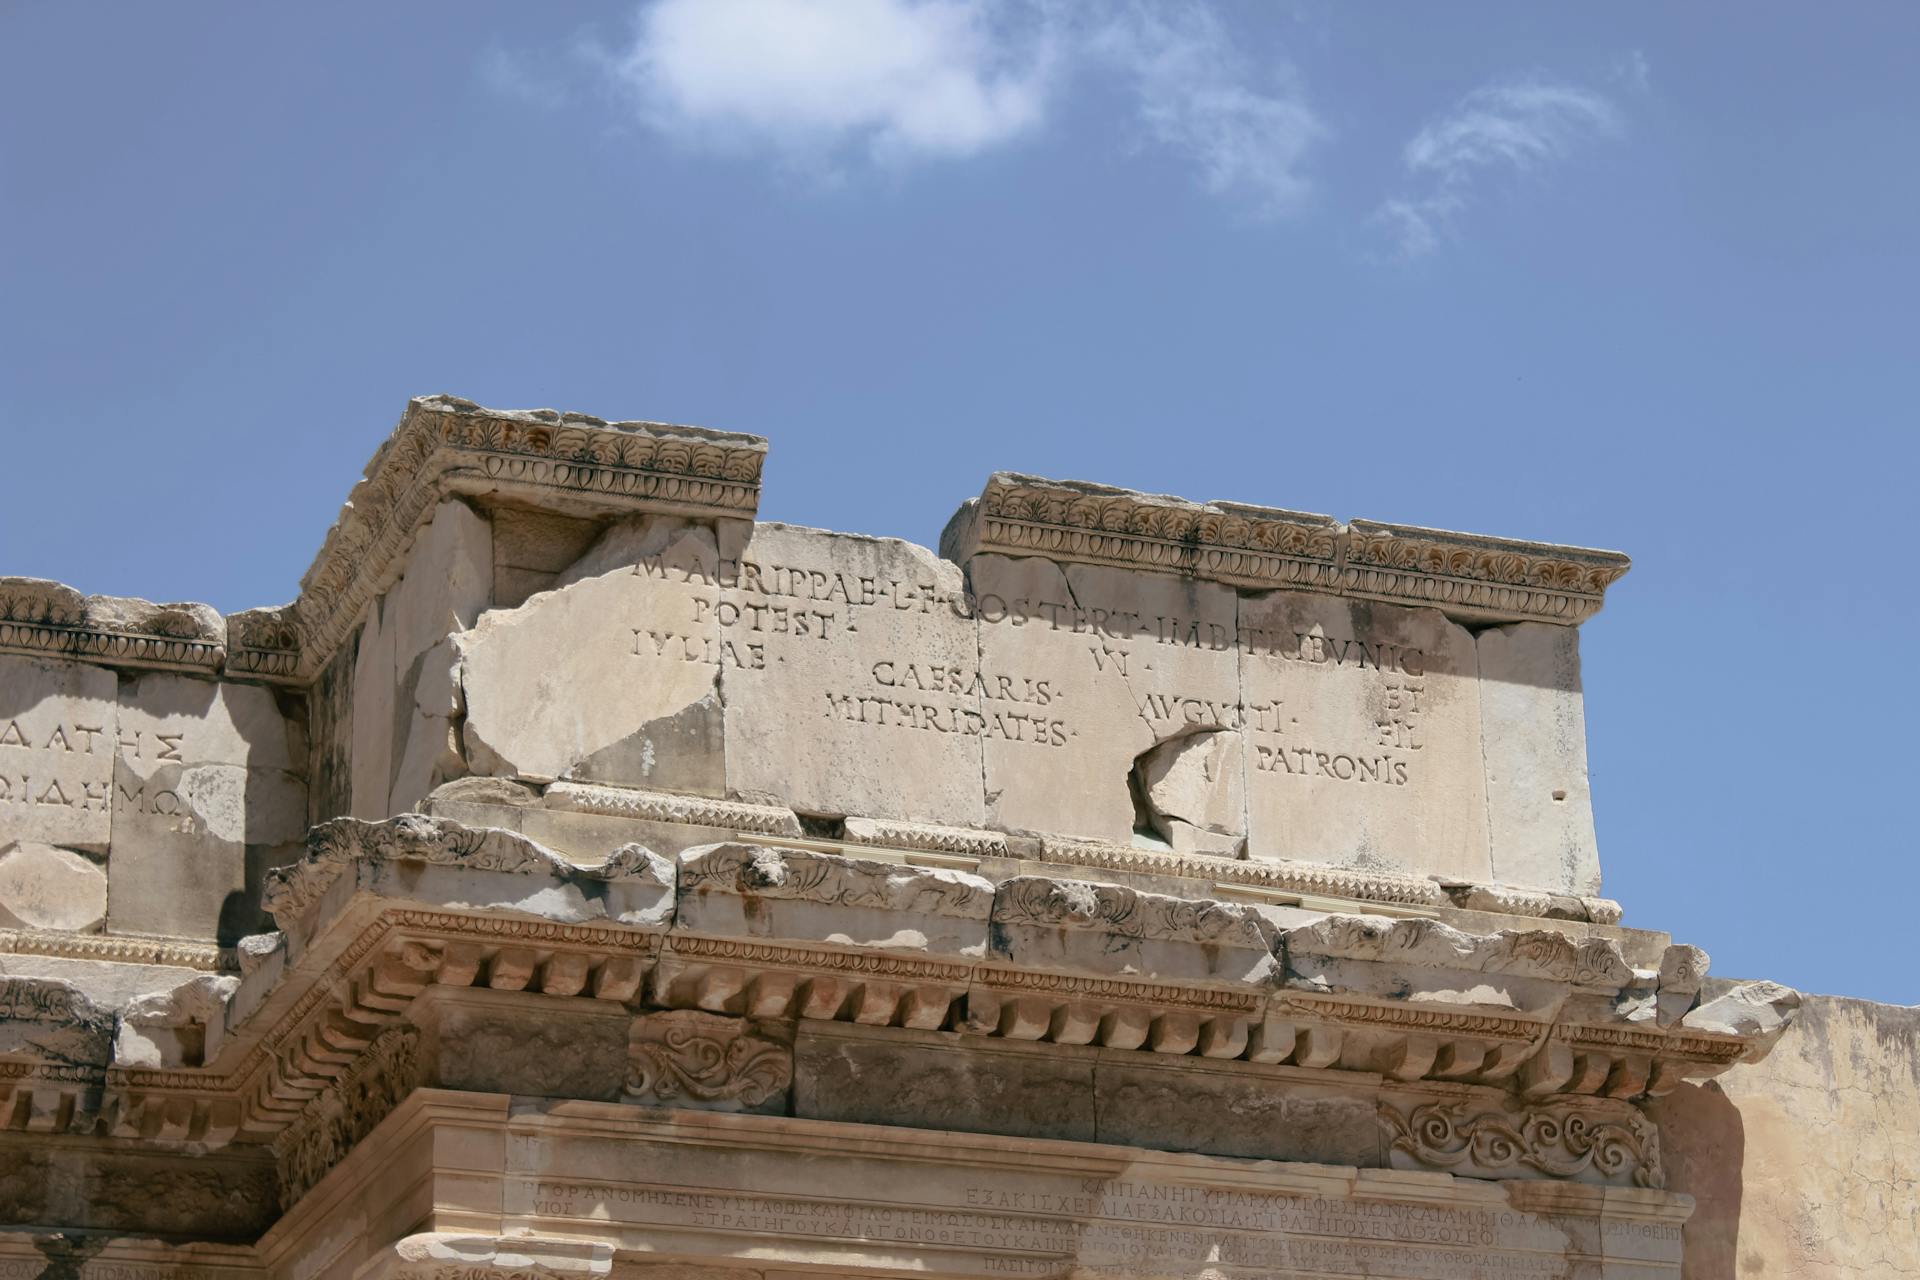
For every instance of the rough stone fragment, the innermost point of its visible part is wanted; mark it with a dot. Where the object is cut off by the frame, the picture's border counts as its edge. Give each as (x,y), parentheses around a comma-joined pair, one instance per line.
(1533,722)
(1756,1010)
(1364,743)
(1090,669)
(58,723)
(177,1027)
(858,685)
(209,792)
(47,1020)
(1114,930)
(744,890)
(1195,793)
(613,675)
(42,887)
(447,582)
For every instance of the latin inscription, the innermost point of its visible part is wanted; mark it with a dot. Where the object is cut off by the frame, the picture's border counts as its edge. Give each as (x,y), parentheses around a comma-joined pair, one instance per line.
(744,615)
(1117,1228)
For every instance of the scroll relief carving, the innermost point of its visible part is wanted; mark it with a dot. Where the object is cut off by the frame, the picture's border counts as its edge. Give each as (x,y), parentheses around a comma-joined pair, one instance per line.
(685,1056)
(1564,1141)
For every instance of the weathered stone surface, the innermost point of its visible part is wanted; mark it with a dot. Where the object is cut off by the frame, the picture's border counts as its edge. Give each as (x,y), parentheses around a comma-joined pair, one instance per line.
(180,1026)
(1364,741)
(859,692)
(1757,1011)
(753,891)
(447,583)
(1534,730)
(942,1081)
(1110,929)
(58,727)
(372,721)
(43,887)
(209,792)
(1807,1163)
(614,675)
(531,549)
(1195,790)
(1092,669)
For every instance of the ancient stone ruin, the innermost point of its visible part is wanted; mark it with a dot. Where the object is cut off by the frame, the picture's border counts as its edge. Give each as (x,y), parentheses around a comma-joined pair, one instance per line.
(581,878)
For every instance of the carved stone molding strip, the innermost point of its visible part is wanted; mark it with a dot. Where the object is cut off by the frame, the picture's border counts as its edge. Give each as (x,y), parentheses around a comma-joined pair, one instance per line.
(1302,877)
(664,806)
(119,950)
(43,618)
(1534,953)
(759,871)
(925,837)
(1128,913)
(1561,1141)
(445,445)
(1466,575)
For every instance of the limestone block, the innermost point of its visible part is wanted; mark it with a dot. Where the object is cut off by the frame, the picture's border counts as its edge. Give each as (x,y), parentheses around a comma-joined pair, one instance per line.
(861,692)
(1533,721)
(447,581)
(612,676)
(209,791)
(427,747)
(1760,1011)
(1090,668)
(1118,931)
(942,1081)
(179,1026)
(43,887)
(1195,789)
(1364,742)
(753,891)
(506,1042)
(532,548)
(1236,1111)
(47,1020)
(371,767)
(58,724)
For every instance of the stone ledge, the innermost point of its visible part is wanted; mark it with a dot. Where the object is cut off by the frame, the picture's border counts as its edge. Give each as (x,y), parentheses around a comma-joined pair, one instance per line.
(1471,577)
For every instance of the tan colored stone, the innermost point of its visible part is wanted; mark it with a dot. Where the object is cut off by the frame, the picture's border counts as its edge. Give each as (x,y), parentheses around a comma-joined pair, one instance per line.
(532,548)
(612,676)
(447,582)
(371,769)
(58,723)
(1094,668)
(209,792)
(1234,1109)
(1195,790)
(42,887)
(863,697)
(1118,931)
(1364,743)
(755,891)
(686,1058)
(1533,725)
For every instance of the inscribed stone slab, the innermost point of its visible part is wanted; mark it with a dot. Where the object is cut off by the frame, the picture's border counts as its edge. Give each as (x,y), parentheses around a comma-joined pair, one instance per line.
(58,722)
(1094,667)
(1364,746)
(860,688)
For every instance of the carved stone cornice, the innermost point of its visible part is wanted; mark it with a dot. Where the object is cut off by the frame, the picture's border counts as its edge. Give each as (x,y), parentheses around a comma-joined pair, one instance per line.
(1544,954)
(169,952)
(1318,879)
(1469,576)
(1021,515)
(1121,912)
(50,619)
(794,875)
(445,446)
(347,1111)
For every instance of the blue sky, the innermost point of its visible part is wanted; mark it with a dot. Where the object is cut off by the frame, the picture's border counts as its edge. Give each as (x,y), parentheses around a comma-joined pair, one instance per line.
(1629,276)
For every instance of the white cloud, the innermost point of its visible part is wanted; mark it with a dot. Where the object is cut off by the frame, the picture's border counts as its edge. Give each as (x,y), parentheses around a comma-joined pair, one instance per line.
(813,77)
(823,81)
(1195,98)
(1515,127)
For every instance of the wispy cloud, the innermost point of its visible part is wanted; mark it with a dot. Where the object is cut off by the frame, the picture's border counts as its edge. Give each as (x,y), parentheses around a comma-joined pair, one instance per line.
(1510,128)
(829,84)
